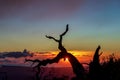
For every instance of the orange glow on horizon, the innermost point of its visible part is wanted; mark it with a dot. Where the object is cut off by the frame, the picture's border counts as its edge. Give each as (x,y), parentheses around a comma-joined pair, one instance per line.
(80,53)
(82,57)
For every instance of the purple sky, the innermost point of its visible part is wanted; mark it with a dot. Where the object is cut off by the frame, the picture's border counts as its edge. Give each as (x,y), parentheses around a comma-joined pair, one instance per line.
(24,24)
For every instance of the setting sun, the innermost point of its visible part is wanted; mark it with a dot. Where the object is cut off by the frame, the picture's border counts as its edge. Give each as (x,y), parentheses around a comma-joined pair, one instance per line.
(66,59)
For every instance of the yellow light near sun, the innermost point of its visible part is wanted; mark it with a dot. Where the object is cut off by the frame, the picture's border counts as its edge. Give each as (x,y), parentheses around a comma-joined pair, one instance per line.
(81,53)
(75,53)
(66,59)
(55,52)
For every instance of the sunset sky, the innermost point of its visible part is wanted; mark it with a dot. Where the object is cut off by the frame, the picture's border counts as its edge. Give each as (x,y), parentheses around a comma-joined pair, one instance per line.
(24,24)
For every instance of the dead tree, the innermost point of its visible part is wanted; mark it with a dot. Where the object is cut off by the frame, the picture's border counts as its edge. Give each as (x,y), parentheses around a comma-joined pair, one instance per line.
(77,67)
(95,67)
(96,56)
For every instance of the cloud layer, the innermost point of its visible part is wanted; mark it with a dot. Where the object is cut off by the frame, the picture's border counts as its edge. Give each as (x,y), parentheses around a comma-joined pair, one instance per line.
(15,54)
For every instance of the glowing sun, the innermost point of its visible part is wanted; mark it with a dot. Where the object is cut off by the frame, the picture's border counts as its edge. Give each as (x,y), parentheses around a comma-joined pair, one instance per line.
(66,59)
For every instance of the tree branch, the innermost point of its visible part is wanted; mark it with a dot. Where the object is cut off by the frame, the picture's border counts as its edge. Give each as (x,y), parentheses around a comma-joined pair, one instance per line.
(67,28)
(78,69)
(50,37)
(100,53)
(47,61)
(60,46)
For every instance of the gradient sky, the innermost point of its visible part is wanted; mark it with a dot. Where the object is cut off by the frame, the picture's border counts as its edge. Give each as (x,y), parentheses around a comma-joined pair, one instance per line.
(24,24)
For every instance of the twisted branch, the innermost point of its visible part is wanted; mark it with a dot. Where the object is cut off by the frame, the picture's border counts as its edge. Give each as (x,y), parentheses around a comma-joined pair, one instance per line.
(78,69)
(60,46)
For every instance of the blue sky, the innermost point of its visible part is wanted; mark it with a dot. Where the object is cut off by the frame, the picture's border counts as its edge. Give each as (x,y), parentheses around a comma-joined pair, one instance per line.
(24,24)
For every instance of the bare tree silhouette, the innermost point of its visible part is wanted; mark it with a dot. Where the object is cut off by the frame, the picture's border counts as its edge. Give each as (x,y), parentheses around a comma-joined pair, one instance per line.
(77,67)
(96,56)
(95,67)
(109,70)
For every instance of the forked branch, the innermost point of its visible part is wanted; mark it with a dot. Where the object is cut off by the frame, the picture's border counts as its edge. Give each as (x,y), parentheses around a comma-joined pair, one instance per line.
(50,37)
(60,46)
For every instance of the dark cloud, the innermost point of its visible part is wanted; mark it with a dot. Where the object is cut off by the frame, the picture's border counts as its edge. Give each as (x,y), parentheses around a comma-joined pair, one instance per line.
(44,53)
(15,54)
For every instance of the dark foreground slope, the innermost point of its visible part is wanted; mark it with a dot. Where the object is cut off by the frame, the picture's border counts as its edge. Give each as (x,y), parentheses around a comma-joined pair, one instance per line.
(27,73)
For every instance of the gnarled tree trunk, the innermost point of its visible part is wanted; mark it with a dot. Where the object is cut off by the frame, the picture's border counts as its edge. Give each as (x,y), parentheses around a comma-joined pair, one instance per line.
(95,67)
(77,67)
